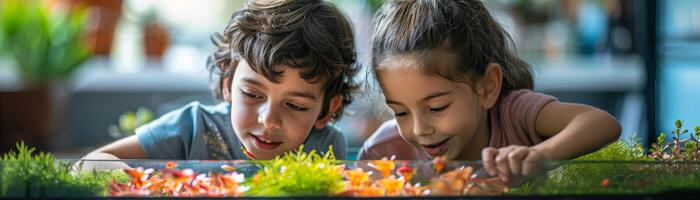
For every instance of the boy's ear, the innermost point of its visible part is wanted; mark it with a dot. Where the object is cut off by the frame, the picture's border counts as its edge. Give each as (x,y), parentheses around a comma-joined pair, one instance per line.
(225,84)
(226,89)
(489,86)
(333,106)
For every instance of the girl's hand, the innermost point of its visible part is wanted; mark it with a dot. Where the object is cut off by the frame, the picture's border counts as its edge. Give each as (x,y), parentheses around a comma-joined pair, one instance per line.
(514,164)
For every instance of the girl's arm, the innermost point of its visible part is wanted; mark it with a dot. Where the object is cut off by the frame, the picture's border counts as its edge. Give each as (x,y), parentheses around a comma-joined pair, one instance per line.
(126,148)
(574,130)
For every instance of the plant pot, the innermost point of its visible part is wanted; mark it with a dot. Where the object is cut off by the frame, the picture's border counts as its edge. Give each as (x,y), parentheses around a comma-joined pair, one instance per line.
(34,114)
(103,22)
(156,40)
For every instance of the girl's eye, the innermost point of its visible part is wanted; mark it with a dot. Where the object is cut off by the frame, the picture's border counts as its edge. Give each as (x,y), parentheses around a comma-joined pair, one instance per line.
(438,109)
(250,95)
(297,107)
(400,114)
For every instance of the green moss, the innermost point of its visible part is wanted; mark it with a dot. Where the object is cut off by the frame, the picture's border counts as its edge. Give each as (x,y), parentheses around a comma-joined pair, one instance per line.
(25,174)
(622,168)
(297,174)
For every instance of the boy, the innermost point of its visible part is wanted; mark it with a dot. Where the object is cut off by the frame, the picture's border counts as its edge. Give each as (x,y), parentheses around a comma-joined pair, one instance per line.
(283,69)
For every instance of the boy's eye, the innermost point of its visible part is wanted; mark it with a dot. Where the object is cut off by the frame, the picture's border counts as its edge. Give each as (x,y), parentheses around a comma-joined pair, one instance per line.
(250,95)
(438,109)
(296,107)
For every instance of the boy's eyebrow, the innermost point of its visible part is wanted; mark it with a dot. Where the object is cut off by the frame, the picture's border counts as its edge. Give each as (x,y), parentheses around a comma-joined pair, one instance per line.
(251,81)
(291,93)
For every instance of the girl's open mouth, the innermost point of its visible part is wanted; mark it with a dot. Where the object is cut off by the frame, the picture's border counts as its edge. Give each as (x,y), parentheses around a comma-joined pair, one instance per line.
(436,149)
(262,143)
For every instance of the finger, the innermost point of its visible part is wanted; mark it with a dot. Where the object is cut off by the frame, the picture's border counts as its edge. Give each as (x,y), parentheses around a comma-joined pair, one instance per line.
(515,159)
(532,163)
(488,155)
(502,163)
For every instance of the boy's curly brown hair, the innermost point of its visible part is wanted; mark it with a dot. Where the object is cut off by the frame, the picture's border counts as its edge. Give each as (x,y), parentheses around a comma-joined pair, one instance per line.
(310,35)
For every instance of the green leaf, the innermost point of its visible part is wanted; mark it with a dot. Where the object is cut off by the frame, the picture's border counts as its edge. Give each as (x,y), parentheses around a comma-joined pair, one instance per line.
(45,44)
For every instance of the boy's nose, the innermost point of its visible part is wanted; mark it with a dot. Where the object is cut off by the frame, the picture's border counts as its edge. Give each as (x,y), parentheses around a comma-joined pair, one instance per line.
(269,118)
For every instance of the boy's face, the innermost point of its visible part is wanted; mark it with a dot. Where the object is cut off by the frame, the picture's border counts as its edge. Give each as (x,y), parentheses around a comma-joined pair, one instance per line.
(273,118)
(439,116)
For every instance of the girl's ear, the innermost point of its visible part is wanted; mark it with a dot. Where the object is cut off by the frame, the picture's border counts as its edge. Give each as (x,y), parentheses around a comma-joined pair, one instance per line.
(333,106)
(489,86)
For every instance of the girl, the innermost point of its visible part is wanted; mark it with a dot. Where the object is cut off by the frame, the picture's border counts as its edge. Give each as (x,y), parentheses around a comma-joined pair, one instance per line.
(457,90)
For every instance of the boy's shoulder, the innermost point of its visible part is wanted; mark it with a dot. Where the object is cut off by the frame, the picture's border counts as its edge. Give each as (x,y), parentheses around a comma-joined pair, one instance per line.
(193,111)
(193,131)
(386,142)
(320,139)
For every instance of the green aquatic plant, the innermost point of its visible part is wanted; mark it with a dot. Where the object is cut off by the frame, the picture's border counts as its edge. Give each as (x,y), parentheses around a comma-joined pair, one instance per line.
(26,174)
(298,174)
(624,168)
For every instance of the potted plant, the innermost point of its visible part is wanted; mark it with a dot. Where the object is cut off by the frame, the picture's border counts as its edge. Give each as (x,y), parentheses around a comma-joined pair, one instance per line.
(46,45)
(155,35)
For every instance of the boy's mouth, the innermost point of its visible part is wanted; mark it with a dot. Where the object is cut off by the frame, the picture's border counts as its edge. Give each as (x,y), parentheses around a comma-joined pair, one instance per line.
(262,142)
(436,149)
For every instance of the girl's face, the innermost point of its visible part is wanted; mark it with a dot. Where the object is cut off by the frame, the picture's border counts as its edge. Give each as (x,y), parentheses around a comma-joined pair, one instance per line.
(273,118)
(439,116)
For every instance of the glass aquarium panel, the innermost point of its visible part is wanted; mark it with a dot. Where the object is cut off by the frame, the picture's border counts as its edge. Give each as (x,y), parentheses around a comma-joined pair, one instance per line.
(329,178)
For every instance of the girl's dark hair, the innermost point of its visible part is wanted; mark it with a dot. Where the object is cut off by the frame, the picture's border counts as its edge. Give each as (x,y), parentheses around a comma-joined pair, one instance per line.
(462,28)
(310,35)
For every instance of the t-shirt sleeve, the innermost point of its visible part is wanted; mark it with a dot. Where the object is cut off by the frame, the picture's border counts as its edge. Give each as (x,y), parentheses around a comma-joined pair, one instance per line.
(168,137)
(319,140)
(524,107)
(340,147)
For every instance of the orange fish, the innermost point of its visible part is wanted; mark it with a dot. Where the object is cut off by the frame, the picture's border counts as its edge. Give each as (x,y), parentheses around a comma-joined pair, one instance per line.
(170,165)
(248,154)
(605,182)
(228,168)
(438,164)
(357,177)
(405,171)
(392,185)
(384,166)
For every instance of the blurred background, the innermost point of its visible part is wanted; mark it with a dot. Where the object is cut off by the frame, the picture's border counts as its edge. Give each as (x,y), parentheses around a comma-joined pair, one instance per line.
(78,74)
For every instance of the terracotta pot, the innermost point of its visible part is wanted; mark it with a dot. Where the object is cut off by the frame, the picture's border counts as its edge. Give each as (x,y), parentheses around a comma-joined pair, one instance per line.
(35,115)
(156,40)
(104,15)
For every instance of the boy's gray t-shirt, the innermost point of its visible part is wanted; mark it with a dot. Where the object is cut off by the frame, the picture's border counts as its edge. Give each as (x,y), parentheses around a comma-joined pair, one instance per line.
(202,132)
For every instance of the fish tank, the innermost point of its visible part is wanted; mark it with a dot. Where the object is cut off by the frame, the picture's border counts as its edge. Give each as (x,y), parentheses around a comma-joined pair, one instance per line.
(312,175)
(668,168)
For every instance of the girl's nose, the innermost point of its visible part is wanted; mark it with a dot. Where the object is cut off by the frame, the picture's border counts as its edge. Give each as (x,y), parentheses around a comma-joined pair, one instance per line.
(422,127)
(269,117)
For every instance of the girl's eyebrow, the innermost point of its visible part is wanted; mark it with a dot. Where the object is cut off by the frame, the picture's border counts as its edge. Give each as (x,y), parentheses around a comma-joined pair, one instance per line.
(431,96)
(435,95)
(392,102)
(301,94)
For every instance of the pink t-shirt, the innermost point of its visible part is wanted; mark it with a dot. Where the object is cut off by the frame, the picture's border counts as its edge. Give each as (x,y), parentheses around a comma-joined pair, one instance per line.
(512,123)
